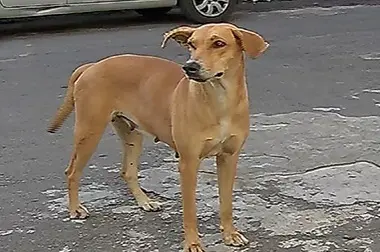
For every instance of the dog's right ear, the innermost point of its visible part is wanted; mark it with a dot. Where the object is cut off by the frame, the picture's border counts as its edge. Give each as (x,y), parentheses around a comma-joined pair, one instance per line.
(180,34)
(252,43)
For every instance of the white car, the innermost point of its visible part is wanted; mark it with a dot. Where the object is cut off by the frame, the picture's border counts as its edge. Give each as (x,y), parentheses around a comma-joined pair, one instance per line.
(200,11)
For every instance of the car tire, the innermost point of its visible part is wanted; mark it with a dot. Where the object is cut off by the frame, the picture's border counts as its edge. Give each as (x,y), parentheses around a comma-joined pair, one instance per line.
(153,12)
(192,9)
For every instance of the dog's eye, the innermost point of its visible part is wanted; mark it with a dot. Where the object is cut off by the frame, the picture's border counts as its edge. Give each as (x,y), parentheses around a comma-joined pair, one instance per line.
(218,44)
(191,45)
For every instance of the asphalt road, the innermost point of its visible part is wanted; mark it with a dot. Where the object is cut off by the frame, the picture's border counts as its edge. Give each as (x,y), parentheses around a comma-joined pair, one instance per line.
(308,177)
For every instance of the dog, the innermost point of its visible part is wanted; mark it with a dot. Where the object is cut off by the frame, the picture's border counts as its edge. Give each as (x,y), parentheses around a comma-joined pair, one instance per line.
(200,110)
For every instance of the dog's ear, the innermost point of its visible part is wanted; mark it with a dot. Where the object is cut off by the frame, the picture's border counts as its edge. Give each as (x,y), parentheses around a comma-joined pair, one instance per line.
(180,34)
(251,43)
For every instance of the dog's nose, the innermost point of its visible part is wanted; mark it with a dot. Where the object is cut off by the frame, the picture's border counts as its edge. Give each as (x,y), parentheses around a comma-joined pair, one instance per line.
(191,67)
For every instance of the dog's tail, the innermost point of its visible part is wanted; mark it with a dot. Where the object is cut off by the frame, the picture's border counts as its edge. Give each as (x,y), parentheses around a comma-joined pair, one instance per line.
(68,103)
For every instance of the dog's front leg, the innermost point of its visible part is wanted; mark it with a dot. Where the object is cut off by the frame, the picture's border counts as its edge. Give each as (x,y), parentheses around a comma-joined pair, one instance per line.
(226,169)
(188,168)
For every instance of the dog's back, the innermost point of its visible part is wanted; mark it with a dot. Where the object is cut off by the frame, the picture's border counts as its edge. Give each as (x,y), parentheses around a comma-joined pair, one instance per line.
(139,78)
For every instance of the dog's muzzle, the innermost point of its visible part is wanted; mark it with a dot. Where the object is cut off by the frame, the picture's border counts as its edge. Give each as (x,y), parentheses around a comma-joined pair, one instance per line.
(193,70)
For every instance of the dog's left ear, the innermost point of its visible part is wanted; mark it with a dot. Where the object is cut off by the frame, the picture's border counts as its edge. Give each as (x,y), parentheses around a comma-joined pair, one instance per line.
(252,43)
(180,35)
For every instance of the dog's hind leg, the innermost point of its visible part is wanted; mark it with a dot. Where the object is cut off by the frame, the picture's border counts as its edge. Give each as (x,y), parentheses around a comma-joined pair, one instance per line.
(132,143)
(89,128)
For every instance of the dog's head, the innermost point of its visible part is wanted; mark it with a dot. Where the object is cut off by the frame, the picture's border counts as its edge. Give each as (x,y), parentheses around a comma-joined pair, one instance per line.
(215,48)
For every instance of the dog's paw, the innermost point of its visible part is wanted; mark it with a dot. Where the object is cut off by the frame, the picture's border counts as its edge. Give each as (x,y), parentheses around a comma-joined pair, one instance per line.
(150,206)
(235,239)
(194,247)
(80,212)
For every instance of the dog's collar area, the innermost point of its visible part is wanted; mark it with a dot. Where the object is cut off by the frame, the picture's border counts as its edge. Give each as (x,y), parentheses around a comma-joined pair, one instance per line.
(201,80)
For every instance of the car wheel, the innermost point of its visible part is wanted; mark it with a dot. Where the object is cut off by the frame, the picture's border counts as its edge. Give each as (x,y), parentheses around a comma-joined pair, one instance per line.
(154,12)
(204,11)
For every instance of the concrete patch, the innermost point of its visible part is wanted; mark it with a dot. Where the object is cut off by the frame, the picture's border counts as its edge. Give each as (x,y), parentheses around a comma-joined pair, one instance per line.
(125,210)
(311,140)
(373,91)
(371,56)
(6,232)
(327,109)
(292,201)
(94,196)
(308,245)
(335,185)
(316,201)
(65,249)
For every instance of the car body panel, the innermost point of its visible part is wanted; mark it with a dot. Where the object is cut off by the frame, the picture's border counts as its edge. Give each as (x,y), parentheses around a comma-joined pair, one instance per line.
(26,3)
(93,1)
(68,7)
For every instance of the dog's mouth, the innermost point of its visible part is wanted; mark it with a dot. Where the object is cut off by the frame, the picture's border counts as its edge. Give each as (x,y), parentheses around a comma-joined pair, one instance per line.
(218,75)
(198,78)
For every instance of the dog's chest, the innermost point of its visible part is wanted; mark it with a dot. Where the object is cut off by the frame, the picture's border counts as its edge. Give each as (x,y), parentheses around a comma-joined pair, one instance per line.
(224,129)
(218,141)
(222,132)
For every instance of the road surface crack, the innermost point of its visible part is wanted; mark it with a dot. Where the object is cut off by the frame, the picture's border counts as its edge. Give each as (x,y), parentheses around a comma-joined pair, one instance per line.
(321,167)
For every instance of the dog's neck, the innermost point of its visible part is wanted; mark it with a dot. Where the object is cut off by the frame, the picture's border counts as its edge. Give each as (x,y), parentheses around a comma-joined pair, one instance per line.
(226,92)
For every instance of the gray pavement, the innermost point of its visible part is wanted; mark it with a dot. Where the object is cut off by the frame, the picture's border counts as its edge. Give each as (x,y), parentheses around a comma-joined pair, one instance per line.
(308,177)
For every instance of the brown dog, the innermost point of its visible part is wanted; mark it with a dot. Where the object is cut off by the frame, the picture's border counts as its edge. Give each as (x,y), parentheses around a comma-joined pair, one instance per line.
(201,114)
